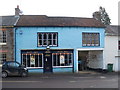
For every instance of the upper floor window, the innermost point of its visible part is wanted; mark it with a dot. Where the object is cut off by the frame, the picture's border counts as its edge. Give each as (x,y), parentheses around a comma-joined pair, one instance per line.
(118,45)
(45,39)
(90,39)
(3,38)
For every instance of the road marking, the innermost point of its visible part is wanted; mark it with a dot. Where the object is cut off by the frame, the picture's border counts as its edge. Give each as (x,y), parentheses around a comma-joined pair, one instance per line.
(91,86)
(72,81)
(82,77)
(102,77)
(21,81)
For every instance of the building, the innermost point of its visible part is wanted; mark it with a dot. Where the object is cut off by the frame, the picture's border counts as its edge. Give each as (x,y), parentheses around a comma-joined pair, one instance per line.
(56,44)
(7,37)
(112,47)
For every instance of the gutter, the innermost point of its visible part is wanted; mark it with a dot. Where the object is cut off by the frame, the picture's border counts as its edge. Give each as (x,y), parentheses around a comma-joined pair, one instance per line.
(7,26)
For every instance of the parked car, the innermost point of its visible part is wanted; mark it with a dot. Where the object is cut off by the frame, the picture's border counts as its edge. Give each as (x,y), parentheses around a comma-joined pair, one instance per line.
(13,68)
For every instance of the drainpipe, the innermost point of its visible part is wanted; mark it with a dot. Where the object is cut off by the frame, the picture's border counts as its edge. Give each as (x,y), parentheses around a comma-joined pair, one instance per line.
(15,44)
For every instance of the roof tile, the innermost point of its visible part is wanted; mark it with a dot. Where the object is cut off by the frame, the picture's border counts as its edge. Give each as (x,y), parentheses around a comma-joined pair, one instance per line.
(42,20)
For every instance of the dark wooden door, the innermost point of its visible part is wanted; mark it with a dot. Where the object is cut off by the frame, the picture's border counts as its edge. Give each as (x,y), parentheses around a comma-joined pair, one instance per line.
(48,62)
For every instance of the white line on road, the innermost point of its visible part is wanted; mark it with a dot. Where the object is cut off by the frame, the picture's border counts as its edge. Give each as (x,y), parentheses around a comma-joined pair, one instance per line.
(20,81)
(72,81)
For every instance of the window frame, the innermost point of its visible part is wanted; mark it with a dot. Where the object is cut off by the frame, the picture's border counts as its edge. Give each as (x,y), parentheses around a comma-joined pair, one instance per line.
(119,45)
(3,57)
(3,36)
(29,55)
(47,39)
(57,55)
(91,38)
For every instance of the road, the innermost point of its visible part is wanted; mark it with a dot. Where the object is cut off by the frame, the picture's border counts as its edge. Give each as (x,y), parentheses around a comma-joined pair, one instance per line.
(62,81)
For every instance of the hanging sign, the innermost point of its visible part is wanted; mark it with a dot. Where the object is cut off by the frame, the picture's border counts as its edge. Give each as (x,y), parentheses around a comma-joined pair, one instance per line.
(62,59)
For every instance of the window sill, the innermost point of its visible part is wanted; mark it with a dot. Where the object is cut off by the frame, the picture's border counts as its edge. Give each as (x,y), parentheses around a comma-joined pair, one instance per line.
(62,66)
(46,45)
(34,67)
(3,44)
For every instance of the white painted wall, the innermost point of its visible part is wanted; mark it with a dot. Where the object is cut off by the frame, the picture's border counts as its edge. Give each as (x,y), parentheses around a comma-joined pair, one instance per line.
(111,52)
(96,59)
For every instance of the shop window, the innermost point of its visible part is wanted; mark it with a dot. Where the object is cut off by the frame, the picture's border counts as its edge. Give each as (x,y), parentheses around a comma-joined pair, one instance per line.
(47,39)
(32,60)
(3,57)
(62,59)
(3,36)
(90,39)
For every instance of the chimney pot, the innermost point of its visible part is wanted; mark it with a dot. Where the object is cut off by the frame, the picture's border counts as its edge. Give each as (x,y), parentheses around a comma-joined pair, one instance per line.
(17,11)
(17,6)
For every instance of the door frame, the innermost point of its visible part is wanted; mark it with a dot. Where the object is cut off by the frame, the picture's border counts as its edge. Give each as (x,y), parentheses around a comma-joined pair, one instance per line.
(47,54)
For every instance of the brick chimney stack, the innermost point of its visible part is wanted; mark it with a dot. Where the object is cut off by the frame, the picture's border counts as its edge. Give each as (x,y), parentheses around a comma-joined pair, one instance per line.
(97,15)
(17,11)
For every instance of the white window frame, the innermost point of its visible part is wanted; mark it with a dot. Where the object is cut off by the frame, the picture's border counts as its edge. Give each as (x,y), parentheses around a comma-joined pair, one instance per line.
(71,65)
(29,60)
(47,38)
(119,45)
(3,57)
(88,38)
(3,38)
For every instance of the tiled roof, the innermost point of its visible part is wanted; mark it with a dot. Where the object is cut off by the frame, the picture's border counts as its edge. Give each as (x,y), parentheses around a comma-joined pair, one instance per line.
(42,20)
(112,30)
(8,20)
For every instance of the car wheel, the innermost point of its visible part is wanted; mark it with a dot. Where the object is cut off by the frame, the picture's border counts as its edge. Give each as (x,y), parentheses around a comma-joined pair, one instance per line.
(4,74)
(24,74)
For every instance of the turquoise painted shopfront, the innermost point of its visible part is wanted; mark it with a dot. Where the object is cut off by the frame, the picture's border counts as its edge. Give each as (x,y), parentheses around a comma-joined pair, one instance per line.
(49,44)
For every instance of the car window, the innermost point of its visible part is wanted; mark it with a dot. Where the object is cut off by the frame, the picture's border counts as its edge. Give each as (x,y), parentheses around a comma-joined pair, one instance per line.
(13,64)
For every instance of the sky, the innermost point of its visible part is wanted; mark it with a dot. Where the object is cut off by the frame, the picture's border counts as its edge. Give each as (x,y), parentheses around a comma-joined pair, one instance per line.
(68,8)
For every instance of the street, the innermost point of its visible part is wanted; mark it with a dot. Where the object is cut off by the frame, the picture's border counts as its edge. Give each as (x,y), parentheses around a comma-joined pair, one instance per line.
(62,81)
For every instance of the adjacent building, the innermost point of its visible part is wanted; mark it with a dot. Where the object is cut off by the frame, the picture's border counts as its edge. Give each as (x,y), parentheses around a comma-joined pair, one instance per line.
(112,47)
(7,37)
(57,44)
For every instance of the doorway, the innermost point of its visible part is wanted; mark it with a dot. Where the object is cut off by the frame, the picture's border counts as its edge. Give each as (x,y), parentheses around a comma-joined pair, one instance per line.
(48,62)
(82,60)
(90,60)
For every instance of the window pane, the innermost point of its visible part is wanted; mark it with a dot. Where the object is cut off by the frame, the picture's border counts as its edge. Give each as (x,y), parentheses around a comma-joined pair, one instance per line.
(54,60)
(24,60)
(54,36)
(28,60)
(44,42)
(40,35)
(45,36)
(36,60)
(40,42)
(119,45)
(40,60)
(4,36)
(49,35)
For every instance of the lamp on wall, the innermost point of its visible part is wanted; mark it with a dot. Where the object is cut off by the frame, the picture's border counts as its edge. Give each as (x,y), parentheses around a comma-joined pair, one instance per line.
(48,47)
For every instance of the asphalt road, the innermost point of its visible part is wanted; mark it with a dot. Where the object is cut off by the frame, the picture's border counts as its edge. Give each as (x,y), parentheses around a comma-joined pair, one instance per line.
(62,81)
